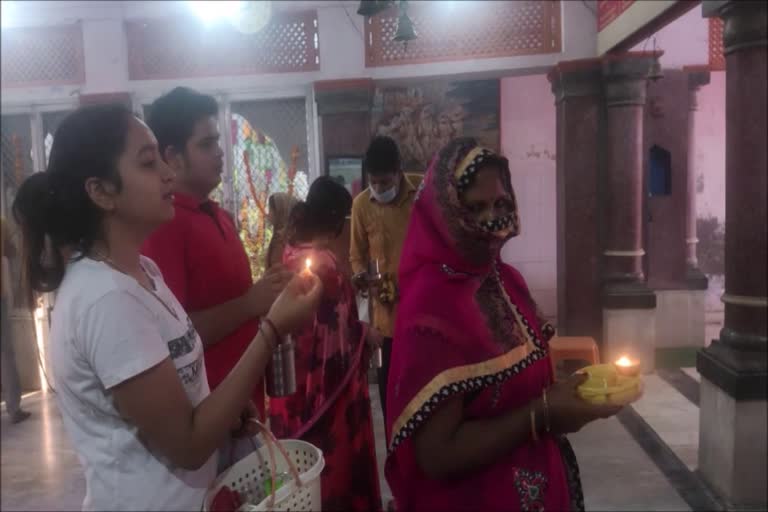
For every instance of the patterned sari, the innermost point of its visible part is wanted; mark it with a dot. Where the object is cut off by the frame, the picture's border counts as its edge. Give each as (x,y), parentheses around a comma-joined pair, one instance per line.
(467,326)
(331,408)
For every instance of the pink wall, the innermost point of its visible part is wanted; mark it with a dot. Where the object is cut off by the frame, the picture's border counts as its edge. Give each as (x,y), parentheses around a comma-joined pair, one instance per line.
(710,144)
(690,49)
(528,141)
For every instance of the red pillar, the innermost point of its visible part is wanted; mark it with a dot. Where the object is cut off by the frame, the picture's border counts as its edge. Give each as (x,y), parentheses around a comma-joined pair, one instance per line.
(734,369)
(629,321)
(577,87)
(625,79)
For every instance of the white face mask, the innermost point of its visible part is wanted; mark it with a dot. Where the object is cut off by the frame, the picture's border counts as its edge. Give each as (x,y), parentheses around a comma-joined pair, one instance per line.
(385,197)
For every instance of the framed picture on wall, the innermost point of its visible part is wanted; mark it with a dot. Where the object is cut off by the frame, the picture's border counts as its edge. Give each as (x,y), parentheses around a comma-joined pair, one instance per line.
(347,170)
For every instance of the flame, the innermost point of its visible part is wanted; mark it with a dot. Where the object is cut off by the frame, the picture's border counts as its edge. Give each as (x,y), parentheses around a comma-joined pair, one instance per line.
(309,264)
(624,361)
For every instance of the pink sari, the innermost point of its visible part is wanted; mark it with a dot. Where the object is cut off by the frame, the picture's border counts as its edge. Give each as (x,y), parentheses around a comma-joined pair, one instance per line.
(467,326)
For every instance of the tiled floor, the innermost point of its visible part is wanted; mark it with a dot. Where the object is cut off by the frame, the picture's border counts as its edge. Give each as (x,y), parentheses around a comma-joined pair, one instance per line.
(673,417)
(41,472)
(39,469)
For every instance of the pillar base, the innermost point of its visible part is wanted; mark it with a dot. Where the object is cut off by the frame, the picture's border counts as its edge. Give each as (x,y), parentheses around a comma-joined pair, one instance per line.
(680,318)
(695,279)
(742,374)
(732,447)
(627,294)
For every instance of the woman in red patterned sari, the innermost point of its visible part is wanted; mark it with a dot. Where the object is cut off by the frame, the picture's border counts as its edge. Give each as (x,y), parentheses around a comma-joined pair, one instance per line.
(331,408)
(474,420)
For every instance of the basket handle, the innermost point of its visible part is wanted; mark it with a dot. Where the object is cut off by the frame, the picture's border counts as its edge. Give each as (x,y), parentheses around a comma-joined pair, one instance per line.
(270,440)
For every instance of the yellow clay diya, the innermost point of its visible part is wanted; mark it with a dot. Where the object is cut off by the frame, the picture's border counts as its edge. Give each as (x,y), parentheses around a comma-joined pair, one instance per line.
(612,384)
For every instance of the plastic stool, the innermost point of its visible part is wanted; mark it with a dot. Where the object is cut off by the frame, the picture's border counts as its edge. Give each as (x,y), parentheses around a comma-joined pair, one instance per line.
(582,348)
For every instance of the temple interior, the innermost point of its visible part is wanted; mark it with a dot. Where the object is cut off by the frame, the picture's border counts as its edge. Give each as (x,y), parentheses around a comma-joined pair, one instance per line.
(635,133)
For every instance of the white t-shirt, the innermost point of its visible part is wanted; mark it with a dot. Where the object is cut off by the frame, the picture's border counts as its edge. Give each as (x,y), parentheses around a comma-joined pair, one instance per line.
(106,329)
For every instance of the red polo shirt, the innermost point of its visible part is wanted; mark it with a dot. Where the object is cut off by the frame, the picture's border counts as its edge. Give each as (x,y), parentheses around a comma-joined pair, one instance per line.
(204,263)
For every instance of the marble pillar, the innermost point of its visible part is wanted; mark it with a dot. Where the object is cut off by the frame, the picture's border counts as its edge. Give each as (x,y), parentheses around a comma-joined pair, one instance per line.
(577,87)
(698,76)
(732,448)
(629,317)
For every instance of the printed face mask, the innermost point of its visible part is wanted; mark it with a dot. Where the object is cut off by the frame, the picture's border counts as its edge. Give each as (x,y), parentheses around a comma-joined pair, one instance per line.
(499,227)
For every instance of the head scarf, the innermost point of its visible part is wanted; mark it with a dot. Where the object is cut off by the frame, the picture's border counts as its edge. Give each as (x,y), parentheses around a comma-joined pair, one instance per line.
(466,321)
(475,244)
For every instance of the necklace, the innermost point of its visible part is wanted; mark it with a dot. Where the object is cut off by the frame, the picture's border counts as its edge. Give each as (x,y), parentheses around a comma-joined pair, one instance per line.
(106,259)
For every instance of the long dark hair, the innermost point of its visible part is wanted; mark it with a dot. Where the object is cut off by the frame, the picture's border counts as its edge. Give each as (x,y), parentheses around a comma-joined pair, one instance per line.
(53,208)
(328,204)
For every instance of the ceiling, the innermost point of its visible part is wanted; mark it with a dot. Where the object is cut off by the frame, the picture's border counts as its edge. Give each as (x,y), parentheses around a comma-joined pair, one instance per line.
(41,12)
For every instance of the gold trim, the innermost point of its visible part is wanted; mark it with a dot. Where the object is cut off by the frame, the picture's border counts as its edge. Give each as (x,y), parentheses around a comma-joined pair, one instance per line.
(468,160)
(460,373)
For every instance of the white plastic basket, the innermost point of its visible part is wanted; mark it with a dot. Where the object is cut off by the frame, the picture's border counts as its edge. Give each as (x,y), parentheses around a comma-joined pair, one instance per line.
(300,459)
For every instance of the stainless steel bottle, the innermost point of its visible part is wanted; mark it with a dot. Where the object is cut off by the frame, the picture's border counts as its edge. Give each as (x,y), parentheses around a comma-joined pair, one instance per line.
(281,371)
(374,277)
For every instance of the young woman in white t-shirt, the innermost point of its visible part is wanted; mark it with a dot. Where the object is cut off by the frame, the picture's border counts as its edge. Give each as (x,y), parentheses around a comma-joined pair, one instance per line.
(127,362)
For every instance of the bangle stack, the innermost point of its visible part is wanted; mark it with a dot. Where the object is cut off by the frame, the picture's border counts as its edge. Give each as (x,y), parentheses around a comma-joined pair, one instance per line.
(534,430)
(274,339)
(545,412)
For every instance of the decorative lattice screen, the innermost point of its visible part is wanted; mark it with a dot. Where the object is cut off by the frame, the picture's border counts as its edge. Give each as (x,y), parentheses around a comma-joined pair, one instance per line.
(164,49)
(465,30)
(269,140)
(42,56)
(716,57)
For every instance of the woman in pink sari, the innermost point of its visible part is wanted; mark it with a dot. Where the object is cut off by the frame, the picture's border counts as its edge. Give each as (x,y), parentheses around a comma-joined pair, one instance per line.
(331,408)
(474,420)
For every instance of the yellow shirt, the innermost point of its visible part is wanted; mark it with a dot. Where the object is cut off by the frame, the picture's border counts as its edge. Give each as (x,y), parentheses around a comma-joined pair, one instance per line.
(378,233)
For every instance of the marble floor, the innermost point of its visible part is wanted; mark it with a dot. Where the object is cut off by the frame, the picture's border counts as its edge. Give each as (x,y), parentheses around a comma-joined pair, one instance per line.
(645,459)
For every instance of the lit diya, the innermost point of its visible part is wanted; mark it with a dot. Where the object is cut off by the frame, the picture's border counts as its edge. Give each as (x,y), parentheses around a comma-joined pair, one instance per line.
(308,266)
(625,366)
(613,384)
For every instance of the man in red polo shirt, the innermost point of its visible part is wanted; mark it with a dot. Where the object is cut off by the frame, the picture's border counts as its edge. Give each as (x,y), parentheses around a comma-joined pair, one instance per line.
(199,251)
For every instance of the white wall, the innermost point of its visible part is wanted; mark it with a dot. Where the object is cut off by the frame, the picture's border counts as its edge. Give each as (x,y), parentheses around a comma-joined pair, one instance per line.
(341,52)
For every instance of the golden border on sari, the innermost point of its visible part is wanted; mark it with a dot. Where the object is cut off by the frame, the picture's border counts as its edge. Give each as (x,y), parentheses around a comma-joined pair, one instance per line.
(459,374)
